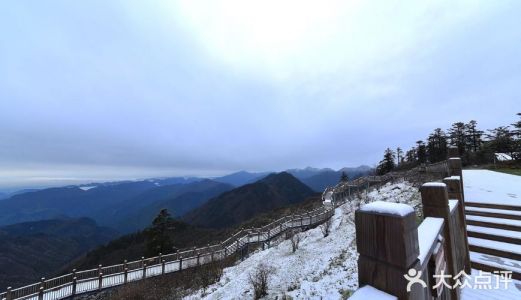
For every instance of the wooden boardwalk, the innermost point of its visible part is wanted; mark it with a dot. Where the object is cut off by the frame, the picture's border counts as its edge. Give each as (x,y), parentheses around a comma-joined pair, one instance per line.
(493,212)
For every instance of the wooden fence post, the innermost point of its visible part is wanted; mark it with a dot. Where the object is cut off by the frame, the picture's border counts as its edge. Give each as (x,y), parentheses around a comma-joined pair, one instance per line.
(162,266)
(162,262)
(100,281)
(455,192)
(144,271)
(40,293)
(125,276)
(42,288)
(455,169)
(435,201)
(9,293)
(388,248)
(196,253)
(125,270)
(74,285)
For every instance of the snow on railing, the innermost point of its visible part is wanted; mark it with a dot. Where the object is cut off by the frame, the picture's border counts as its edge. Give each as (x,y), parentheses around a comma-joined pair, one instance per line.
(79,282)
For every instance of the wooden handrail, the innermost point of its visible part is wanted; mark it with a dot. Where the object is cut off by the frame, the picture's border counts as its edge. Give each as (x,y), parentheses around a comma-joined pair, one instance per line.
(394,243)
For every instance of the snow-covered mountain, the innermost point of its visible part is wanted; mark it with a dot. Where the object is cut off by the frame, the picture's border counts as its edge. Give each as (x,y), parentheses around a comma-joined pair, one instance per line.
(322,267)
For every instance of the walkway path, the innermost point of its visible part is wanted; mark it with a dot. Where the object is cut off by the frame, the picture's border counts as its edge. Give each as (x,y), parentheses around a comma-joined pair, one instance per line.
(493,213)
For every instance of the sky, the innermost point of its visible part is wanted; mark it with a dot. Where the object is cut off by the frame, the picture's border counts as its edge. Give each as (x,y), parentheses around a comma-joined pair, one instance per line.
(104,90)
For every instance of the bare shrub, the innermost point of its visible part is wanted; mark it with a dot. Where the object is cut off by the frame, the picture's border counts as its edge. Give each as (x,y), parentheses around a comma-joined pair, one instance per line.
(259,280)
(145,290)
(326,227)
(170,286)
(208,275)
(295,241)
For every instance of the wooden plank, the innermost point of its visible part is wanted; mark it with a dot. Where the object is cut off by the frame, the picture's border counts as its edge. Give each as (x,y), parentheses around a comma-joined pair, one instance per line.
(494,225)
(494,237)
(492,215)
(435,202)
(493,205)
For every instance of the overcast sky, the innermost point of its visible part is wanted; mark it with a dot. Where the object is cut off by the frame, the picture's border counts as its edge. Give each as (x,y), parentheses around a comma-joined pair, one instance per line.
(100,90)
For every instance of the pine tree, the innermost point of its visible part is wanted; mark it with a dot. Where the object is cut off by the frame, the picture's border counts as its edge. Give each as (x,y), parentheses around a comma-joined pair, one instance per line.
(516,132)
(437,146)
(387,164)
(158,239)
(344,177)
(500,140)
(473,136)
(421,152)
(457,136)
(399,156)
(410,156)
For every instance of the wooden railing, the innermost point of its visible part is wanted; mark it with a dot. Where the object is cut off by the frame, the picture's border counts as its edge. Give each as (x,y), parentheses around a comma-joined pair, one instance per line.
(420,174)
(391,245)
(79,282)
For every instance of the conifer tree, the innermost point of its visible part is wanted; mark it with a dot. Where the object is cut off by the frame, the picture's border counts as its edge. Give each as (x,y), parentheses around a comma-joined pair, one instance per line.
(421,152)
(388,162)
(457,136)
(516,132)
(437,146)
(344,177)
(399,156)
(158,238)
(473,136)
(500,140)
(410,156)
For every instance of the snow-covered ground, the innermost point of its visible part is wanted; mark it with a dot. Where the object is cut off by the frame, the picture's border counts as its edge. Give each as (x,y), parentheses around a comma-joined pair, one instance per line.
(326,267)
(322,267)
(492,187)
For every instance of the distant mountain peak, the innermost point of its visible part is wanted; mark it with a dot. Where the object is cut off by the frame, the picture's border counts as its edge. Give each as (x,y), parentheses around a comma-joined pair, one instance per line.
(282,177)
(242,203)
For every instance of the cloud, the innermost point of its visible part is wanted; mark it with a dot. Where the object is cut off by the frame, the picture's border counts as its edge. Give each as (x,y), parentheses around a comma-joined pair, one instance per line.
(119,89)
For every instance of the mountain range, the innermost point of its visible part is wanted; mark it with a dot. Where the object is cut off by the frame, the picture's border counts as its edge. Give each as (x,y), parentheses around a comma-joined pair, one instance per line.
(131,205)
(31,250)
(127,206)
(55,226)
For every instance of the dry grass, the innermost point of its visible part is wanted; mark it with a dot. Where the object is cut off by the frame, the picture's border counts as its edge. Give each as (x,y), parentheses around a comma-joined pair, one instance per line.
(259,280)
(171,286)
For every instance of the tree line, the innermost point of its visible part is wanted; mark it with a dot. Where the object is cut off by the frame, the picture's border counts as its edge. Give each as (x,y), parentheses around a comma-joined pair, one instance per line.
(475,146)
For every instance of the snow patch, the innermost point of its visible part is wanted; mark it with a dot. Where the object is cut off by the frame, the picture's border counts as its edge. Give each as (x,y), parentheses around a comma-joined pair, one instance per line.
(452,204)
(398,209)
(86,188)
(434,184)
(427,234)
(369,293)
(484,186)
(322,267)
